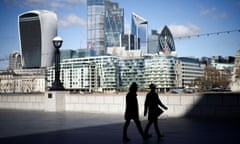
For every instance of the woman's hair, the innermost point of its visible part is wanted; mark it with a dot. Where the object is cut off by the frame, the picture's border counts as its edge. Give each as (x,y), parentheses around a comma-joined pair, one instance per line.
(133,87)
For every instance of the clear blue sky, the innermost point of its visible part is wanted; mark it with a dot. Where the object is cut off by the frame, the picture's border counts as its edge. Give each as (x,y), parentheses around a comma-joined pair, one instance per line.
(183,17)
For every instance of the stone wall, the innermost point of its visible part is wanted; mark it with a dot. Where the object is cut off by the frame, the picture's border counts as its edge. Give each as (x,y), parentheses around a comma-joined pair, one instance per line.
(22,102)
(197,105)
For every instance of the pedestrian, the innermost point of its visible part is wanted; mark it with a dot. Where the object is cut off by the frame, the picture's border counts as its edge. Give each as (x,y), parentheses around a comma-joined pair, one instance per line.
(131,111)
(151,107)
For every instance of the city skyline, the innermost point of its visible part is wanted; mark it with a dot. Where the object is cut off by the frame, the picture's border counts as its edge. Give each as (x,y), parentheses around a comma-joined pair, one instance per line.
(184,18)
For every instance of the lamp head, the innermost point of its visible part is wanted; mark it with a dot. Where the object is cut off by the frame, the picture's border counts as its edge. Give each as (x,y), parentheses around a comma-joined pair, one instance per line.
(57,42)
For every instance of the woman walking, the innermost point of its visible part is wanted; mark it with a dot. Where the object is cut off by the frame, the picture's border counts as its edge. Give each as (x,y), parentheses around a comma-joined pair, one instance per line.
(132,111)
(151,107)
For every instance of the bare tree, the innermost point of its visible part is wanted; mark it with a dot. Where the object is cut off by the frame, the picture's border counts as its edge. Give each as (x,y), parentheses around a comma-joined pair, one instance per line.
(212,78)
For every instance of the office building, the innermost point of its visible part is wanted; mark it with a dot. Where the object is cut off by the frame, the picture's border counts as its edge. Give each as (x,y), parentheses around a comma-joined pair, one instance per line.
(153,43)
(111,73)
(114,26)
(93,74)
(80,53)
(131,70)
(23,81)
(167,46)
(105,25)
(37,28)
(161,71)
(139,28)
(129,41)
(188,69)
(15,61)
(122,53)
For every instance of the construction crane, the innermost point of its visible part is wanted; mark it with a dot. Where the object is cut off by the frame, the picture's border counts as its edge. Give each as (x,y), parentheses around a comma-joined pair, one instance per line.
(3,58)
(207,34)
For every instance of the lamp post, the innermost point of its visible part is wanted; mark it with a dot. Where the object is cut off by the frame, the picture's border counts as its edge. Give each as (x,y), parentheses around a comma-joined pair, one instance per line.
(57,85)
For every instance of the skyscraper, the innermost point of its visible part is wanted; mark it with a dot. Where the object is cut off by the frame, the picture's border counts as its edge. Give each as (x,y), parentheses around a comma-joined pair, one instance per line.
(128,41)
(167,45)
(139,29)
(37,28)
(114,26)
(104,26)
(153,43)
(15,61)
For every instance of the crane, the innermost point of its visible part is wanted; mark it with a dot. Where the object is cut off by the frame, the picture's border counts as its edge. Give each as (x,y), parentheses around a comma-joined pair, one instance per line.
(207,34)
(3,58)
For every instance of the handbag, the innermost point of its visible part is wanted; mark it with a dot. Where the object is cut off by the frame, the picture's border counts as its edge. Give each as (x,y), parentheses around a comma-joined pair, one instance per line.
(159,111)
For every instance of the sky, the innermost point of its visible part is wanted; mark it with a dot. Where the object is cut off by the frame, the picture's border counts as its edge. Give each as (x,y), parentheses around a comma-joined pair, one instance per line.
(183,17)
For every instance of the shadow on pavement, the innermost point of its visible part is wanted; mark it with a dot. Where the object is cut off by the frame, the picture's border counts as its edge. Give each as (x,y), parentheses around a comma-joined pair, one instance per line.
(176,131)
(216,105)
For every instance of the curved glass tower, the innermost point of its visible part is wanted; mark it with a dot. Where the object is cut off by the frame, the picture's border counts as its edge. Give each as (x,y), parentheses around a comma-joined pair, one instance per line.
(139,29)
(166,40)
(37,28)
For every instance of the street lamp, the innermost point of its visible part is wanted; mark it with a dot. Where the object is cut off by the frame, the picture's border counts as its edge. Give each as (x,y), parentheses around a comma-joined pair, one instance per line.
(57,85)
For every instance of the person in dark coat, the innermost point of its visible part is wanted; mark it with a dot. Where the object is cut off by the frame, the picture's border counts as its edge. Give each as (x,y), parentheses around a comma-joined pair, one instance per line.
(151,107)
(131,111)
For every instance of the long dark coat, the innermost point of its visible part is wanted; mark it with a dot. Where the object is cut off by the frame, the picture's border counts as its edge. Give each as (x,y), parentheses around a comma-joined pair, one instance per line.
(131,111)
(151,105)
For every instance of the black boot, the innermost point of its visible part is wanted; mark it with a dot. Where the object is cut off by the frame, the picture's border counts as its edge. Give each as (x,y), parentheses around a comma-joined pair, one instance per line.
(126,139)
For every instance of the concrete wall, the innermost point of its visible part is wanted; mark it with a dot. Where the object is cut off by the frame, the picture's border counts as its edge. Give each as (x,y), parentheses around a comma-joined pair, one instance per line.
(204,105)
(96,103)
(22,102)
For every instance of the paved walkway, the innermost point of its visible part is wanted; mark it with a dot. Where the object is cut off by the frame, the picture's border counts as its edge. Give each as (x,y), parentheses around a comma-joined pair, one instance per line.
(36,127)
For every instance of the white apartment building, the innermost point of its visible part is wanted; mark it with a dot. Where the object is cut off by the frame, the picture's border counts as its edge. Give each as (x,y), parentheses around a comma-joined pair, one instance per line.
(111,73)
(161,71)
(188,69)
(93,74)
(131,70)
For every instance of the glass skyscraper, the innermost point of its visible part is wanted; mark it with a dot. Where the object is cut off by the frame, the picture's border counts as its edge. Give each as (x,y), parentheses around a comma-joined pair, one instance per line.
(36,30)
(95,25)
(128,41)
(139,29)
(167,45)
(114,26)
(105,25)
(153,43)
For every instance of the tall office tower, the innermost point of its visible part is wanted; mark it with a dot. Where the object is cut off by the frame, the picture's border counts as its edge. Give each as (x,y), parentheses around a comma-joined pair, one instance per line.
(99,27)
(114,25)
(153,43)
(37,28)
(128,41)
(167,45)
(15,61)
(139,29)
